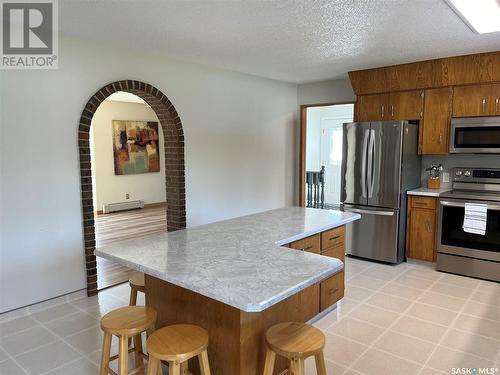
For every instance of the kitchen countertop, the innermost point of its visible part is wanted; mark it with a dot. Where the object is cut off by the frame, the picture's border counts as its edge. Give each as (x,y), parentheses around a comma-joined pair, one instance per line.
(240,262)
(423,191)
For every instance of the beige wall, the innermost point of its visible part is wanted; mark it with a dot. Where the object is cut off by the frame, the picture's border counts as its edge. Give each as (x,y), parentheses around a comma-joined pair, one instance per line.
(108,187)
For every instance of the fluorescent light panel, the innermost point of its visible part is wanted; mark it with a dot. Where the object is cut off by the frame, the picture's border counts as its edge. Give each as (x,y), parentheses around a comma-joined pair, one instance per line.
(482,16)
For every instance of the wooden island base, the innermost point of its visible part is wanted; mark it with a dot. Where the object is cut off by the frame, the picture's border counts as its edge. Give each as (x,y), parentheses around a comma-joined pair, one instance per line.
(236,337)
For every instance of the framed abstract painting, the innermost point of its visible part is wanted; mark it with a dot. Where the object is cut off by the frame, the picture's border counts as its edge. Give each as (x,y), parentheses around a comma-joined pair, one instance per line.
(135,147)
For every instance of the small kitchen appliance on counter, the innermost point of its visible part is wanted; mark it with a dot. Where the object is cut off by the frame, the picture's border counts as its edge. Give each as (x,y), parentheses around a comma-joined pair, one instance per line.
(459,251)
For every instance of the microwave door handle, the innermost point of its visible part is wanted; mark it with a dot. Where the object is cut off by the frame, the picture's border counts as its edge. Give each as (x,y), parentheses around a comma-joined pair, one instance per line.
(363,164)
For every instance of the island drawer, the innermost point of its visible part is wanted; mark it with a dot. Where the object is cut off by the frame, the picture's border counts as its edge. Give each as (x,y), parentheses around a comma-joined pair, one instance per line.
(335,252)
(310,244)
(423,202)
(331,290)
(333,237)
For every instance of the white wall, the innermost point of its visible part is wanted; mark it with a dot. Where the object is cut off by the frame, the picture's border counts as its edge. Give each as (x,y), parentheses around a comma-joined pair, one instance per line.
(239,145)
(313,139)
(108,187)
(334,91)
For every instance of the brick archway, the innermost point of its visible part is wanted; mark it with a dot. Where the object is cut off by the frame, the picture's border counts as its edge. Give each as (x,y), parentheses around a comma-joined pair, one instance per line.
(174,163)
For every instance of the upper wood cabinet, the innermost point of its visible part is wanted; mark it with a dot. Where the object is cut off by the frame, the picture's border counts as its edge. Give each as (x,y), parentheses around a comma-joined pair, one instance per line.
(473,100)
(495,99)
(406,105)
(373,107)
(403,105)
(435,126)
(449,71)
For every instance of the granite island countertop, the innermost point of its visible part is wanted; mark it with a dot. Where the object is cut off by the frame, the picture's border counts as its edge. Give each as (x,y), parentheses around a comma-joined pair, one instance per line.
(241,261)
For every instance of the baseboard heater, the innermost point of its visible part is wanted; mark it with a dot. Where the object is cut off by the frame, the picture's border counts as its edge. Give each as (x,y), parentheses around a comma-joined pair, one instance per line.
(121,206)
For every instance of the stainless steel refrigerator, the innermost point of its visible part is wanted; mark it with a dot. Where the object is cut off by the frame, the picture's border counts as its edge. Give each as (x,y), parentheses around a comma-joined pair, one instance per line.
(380,163)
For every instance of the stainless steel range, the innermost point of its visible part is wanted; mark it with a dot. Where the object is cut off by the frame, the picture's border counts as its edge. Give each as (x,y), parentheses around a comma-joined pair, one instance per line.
(466,253)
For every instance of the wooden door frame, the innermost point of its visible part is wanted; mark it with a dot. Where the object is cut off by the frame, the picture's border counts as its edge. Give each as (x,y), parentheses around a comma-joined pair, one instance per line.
(302,143)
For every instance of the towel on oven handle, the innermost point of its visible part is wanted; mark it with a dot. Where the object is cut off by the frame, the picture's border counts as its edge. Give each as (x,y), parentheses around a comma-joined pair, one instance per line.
(475,218)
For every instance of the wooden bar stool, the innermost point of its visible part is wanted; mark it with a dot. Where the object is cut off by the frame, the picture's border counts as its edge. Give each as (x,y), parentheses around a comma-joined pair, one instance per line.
(126,322)
(137,284)
(295,341)
(176,344)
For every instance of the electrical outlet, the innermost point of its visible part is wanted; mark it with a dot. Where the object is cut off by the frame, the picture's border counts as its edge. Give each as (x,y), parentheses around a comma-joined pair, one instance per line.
(446,177)
(127,196)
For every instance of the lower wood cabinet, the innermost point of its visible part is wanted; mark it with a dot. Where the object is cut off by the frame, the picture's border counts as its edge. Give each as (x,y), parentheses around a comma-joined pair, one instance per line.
(421,228)
(329,243)
(310,244)
(331,290)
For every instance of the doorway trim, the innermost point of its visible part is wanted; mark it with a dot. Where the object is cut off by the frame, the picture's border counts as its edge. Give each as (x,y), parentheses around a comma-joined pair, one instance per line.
(173,137)
(302,144)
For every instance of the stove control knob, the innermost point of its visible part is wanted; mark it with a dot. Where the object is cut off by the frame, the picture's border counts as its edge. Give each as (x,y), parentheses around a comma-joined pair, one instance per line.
(458,173)
(467,173)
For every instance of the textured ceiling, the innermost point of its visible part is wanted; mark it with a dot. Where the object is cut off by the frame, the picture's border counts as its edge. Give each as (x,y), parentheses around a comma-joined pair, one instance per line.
(294,41)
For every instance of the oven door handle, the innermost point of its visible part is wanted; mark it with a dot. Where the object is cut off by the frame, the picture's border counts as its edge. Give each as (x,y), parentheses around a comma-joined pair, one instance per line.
(493,207)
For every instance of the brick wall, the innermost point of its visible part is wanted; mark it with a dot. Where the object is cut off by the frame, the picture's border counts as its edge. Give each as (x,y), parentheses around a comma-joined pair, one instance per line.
(174,163)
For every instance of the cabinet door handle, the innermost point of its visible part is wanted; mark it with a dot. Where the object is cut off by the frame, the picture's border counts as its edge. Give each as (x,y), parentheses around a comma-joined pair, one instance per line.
(440,138)
(483,103)
(420,203)
(382,111)
(307,248)
(392,111)
(496,105)
(334,238)
(332,291)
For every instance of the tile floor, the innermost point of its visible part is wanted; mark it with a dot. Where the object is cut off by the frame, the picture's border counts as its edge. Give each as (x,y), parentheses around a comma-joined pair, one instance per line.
(394,320)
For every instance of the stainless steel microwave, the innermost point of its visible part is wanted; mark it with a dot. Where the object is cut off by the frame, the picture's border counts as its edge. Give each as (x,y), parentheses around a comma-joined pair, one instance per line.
(475,135)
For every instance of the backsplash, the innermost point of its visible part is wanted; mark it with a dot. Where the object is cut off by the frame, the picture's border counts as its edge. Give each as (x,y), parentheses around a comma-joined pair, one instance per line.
(457,160)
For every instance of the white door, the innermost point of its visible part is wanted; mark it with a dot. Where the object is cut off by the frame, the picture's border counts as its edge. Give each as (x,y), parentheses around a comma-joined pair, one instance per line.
(331,156)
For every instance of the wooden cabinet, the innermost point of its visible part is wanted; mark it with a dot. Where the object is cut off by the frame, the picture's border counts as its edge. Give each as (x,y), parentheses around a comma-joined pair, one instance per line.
(406,105)
(330,243)
(373,107)
(403,105)
(473,100)
(435,126)
(495,99)
(476,100)
(421,228)
(310,244)
(333,238)
(331,290)
(449,71)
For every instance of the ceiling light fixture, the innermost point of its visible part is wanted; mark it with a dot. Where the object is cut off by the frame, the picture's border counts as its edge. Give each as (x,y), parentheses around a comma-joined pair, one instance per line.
(482,16)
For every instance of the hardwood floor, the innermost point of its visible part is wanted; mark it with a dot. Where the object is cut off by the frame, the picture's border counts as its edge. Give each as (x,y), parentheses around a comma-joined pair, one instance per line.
(122,226)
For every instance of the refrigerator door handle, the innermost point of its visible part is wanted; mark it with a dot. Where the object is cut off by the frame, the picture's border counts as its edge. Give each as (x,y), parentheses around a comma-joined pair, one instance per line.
(370,212)
(363,164)
(371,152)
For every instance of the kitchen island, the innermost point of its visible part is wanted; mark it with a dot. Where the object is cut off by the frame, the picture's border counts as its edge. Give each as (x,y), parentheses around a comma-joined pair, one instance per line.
(236,277)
